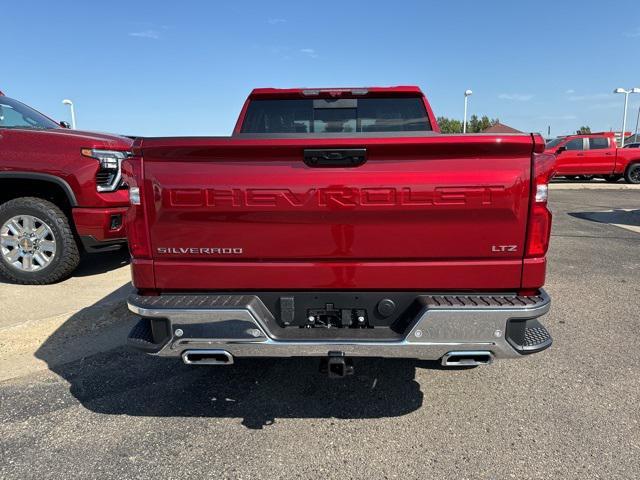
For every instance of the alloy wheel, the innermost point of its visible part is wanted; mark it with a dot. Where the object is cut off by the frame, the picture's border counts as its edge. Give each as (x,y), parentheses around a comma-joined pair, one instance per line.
(27,243)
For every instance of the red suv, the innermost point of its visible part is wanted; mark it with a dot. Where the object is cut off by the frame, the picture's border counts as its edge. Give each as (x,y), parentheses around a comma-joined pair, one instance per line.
(60,194)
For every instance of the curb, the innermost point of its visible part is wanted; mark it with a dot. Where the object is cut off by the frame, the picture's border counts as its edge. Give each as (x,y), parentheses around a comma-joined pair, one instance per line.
(593,186)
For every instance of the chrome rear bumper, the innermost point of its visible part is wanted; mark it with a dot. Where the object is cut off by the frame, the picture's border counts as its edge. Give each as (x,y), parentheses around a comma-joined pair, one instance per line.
(504,325)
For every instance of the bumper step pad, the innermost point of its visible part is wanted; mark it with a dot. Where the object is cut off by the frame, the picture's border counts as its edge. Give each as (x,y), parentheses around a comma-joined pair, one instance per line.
(482,301)
(201,302)
(141,336)
(528,336)
(536,336)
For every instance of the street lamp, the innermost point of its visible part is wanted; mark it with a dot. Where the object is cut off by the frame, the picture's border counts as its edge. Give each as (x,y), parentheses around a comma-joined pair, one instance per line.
(467,94)
(626,101)
(73,112)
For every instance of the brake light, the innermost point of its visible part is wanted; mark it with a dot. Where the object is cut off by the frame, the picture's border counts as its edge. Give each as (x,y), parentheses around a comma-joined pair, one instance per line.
(136,222)
(539,227)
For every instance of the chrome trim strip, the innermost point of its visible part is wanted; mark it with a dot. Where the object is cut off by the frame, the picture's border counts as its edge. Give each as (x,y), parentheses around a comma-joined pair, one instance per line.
(446,359)
(186,353)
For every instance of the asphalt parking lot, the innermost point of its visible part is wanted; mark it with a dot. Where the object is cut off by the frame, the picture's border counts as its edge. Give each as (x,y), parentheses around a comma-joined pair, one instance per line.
(75,403)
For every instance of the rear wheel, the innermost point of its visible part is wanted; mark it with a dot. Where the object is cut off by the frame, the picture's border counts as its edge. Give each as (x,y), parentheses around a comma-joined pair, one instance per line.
(632,175)
(36,242)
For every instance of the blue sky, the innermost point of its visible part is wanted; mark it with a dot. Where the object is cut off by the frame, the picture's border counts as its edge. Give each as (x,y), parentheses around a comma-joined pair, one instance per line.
(181,68)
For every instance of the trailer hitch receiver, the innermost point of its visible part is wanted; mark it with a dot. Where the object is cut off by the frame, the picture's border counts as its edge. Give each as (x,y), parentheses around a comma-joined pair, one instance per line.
(336,365)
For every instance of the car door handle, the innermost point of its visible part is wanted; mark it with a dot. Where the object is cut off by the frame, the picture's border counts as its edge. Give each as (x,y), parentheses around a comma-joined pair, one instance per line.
(579,154)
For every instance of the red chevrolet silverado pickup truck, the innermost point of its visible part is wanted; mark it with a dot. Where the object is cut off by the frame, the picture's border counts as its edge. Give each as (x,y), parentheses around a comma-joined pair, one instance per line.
(60,193)
(595,154)
(338,223)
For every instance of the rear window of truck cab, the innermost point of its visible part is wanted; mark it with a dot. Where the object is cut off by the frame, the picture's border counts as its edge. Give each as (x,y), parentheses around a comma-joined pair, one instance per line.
(598,143)
(342,115)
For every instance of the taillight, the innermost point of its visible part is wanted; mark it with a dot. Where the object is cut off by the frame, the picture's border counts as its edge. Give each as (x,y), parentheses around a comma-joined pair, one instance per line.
(136,221)
(539,227)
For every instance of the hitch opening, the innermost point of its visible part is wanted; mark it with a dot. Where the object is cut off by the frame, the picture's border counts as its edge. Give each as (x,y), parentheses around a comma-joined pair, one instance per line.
(336,365)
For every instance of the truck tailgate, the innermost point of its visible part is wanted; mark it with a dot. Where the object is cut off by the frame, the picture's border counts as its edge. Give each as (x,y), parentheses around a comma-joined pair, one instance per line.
(434,212)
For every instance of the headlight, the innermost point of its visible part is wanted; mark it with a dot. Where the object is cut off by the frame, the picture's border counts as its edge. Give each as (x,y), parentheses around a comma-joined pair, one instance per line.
(109,173)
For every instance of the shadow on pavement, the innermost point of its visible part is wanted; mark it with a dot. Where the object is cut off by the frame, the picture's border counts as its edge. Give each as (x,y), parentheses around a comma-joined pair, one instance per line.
(97,263)
(614,217)
(124,382)
(93,329)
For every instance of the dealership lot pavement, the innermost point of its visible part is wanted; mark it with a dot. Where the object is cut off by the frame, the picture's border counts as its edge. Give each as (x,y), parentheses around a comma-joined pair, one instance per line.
(74,403)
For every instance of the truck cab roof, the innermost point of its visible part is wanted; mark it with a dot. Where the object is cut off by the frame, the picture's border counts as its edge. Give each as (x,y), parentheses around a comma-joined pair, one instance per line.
(411,90)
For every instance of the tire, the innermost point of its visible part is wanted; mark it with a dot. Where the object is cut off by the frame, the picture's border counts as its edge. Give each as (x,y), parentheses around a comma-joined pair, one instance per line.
(37,246)
(632,175)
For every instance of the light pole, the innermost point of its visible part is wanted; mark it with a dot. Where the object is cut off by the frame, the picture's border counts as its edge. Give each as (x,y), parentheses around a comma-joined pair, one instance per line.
(637,120)
(467,94)
(626,102)
(73,112)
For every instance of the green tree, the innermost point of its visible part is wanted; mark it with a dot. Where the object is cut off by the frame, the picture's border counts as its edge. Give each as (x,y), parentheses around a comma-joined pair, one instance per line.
(584,130)
(474,124)
(486,122)
(449,125)
(477,125)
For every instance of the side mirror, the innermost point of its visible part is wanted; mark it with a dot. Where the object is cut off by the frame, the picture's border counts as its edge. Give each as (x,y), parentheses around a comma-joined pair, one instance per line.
(560,150)
(64,124)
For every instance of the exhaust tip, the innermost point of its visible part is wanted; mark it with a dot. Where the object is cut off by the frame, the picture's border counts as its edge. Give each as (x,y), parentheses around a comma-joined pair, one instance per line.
(467,359)
(207,357)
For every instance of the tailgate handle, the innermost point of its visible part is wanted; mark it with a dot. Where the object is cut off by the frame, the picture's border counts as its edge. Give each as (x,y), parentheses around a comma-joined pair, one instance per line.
(335,157)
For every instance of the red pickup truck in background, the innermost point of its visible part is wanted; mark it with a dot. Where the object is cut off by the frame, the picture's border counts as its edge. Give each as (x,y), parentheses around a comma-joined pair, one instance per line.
(595,154)
(60,194)
(338,223)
